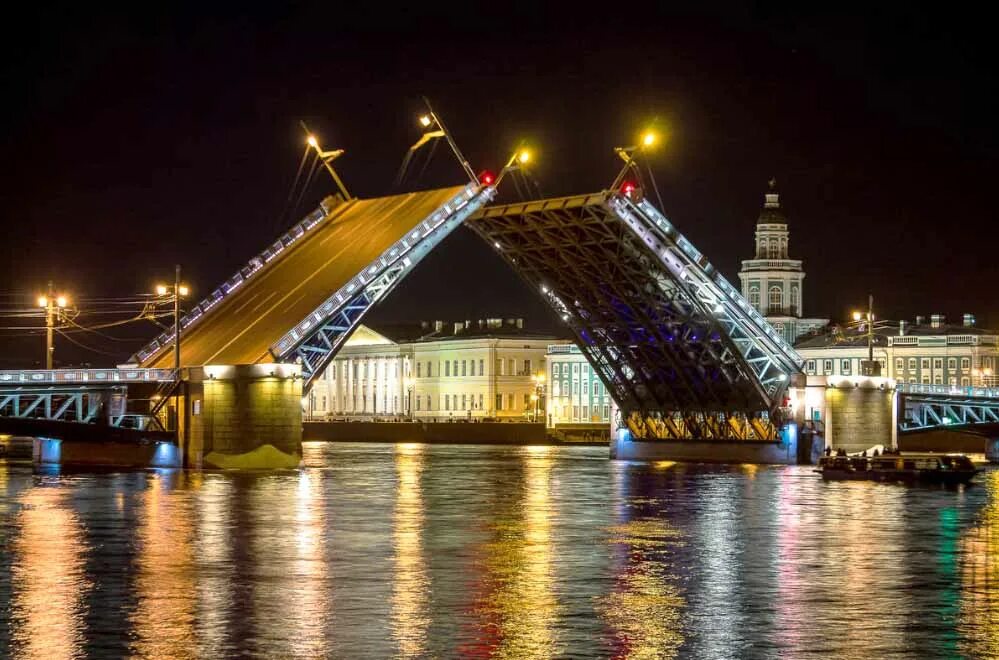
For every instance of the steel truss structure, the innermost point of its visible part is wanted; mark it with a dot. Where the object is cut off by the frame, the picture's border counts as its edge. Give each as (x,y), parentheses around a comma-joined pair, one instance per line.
(679,349)
(315,339)
(66,404)
(922,410)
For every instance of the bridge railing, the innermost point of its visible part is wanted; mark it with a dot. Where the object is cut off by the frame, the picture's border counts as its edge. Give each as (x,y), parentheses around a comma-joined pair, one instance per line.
(298,230)
(948,390)
(83,376)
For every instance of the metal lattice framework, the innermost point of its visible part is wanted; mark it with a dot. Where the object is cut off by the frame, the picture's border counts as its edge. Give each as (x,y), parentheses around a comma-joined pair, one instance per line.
(922,408)
(79,404)
(315,339)
(681,352)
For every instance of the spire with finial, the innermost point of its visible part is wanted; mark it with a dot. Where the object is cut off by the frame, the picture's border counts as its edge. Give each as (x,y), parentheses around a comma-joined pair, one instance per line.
(772,199)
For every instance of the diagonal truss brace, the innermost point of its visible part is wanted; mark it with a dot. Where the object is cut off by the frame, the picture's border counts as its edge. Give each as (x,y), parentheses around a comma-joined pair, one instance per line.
(317,338)
(928,412)
(767,355)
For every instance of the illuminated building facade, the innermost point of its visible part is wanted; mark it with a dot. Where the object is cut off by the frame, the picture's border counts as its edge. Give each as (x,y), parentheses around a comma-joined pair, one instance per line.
(772,282)
(574,392)
(434,371)
(934,353)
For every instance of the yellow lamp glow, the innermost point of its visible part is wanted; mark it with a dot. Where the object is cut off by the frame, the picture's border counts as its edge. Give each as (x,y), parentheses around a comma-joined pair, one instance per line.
(856,316)
(61,301)
(183,290)
(43,301)
(649,139)
(161,290)
(425,120)
(524,156)
(313,142)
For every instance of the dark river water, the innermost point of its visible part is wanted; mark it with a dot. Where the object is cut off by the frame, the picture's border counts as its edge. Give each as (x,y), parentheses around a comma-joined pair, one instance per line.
(377,551)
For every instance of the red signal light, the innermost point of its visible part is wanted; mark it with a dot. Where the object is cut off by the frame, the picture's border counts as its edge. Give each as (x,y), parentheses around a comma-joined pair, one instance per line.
(486,178)
(627,187)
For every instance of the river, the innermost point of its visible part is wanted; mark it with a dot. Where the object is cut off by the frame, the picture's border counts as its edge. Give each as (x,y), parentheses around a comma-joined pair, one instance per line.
(377,551)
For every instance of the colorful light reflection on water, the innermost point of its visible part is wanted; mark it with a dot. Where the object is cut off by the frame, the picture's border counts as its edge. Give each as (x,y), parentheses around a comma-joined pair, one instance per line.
(433,551)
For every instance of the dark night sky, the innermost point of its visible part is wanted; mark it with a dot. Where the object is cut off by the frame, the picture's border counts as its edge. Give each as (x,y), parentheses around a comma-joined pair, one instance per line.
(134,141)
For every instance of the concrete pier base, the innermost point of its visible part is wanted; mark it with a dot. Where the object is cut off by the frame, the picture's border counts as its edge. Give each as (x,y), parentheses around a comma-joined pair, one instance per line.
(242,416)
(787,451)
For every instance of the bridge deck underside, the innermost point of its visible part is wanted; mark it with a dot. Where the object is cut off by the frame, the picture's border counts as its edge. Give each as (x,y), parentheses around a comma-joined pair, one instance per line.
(242,328)
(657,352)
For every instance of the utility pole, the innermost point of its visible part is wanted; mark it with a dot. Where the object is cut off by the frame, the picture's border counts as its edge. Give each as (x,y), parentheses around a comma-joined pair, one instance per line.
(176,322)
(870,336)
(50,314)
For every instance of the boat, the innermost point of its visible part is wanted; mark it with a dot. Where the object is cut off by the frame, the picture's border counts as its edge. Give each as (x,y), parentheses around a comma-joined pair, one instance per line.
(948,469)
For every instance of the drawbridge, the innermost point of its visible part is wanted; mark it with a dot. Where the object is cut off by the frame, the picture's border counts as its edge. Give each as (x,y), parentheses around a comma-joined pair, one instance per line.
(683,354)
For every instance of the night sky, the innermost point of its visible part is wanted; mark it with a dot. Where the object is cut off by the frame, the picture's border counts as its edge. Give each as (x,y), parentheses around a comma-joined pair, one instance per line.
(131,142)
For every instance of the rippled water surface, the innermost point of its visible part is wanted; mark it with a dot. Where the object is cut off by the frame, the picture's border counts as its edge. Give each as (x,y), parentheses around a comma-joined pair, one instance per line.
(444,551)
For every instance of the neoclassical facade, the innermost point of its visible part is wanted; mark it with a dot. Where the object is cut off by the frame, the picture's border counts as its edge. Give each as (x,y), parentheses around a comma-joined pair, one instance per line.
(773,282)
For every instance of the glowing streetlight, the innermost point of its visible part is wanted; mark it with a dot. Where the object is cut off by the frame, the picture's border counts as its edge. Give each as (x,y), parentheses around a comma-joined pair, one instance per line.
(649,139)
(175,293)
(53,305)
(61,301)
(183,291)
(43,301)
(425,120)
(161,290)
(524,157)
(520,158)
(313,142)
(857,316)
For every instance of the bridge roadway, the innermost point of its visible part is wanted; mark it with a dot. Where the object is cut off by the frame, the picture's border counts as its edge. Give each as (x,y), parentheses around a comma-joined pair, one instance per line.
(241,329)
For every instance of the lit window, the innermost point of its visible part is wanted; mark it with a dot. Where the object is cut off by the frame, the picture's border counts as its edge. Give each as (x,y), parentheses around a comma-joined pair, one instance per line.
(810,367)
(419,369)
(827,366)
(912,364)
(844,367)
(924,363)
(464,368)
(965,363)
(899,364)
(776,299)
(754,296)
(555,370)
(447,368)
(938,363)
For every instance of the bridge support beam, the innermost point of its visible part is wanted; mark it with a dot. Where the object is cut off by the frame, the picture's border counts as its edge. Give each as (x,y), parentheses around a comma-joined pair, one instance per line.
(242,416)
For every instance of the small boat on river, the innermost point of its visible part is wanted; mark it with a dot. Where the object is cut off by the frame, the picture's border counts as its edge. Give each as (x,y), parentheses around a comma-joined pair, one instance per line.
(948,469)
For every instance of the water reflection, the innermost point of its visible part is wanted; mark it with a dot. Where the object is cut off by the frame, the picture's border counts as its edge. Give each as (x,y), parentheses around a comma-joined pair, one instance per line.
(164,617)
(516,603)
(979,578)
(47,576)
(411,586)
(216,573)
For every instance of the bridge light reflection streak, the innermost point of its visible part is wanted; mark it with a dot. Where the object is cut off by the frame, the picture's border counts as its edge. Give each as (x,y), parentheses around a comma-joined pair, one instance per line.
(48,608)
(410,596)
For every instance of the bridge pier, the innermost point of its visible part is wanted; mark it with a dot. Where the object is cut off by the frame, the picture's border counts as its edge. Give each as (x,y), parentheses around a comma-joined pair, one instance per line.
(241,416)
(860,413)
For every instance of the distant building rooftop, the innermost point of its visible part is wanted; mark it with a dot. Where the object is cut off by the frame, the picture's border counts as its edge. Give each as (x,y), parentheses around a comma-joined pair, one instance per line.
(439,330)
(855,335)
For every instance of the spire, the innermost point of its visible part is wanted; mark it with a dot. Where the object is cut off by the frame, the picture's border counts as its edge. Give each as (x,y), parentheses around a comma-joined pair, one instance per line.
(771,213)
(772,199)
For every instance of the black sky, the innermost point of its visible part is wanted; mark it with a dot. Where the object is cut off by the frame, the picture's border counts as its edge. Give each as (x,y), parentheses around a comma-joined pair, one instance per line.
(134,141)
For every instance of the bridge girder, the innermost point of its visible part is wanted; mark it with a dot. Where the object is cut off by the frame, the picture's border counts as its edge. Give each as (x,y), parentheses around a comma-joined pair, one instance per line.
(674,343)
(922,412)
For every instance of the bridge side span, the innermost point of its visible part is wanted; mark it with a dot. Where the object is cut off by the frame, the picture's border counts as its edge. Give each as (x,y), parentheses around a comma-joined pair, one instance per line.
(360,247)
(683,354)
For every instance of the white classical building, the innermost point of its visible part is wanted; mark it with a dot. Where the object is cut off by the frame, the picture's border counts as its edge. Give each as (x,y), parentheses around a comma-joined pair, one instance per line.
(934,353)
(575,393)
(772,282)
(435,371)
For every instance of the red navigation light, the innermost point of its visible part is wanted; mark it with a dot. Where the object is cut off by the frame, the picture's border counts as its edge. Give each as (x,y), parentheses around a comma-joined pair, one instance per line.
(486,178)
(627,188)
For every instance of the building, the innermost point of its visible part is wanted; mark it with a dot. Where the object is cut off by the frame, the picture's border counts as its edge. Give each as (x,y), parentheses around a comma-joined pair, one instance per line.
(435,371)
(773,282)
(575,393)
(936,353)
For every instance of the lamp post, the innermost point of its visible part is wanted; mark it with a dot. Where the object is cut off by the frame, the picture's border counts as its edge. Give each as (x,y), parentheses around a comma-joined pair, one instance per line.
(409,397)
(869,368)
(173,295)
(539,388)
(53,306)
(646,142)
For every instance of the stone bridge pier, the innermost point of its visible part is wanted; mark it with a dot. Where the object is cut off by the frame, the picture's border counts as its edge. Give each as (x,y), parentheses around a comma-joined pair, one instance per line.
(241,416)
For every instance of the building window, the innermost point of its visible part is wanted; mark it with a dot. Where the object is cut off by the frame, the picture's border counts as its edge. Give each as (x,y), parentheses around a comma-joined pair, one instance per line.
(463,403)
(482,371)
(527,367)
(776,299)
(429,401)
(464,367)
(774,250)
(430,370)
(938,380)
(844,367)
(794,300)
(952,381)
(926,379)
(754,296)
(555,388)
(810,367)
(509,399)
(455,368)
(480,402)
(586,387)
(575,387)
(899,364)
(952,364)
(395,404)
(938,363)
(827,367)
(924,364)
(447,402)
(447,368)
(596,388)
(555,370)
(575,413)
(511,369)
(912,364)
(965,382)
(417,403)
(499,366)
(471,367)
(419,370)
(606,412)
(575,368)
(965,364)
(527,401)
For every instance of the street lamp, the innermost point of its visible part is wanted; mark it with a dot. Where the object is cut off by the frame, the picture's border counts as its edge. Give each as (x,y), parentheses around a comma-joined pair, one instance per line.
(646,141)
(328,157)
(409,397)
(539,389)
(173,295)
(54,307)
(518,160)
(870,367)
